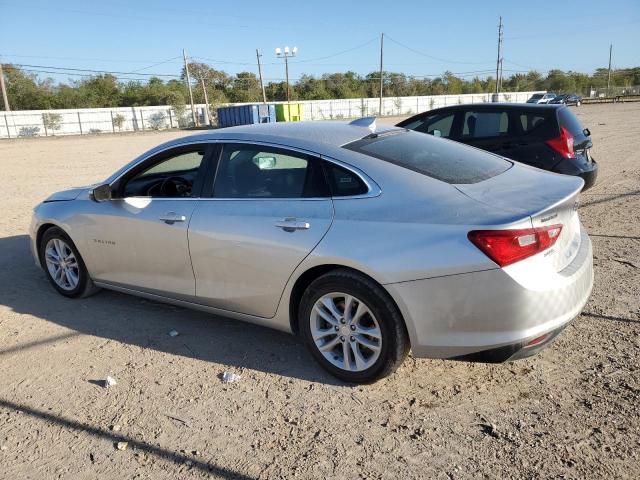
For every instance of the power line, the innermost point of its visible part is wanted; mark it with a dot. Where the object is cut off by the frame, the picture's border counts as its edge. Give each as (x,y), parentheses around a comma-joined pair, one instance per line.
(156,64)
(88,59)
(436,58)
(229,62)
(83,75)
(368,42)
(107,72)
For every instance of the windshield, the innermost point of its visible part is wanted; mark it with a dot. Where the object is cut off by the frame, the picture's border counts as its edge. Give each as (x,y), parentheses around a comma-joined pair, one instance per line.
(438,158)
(536,96)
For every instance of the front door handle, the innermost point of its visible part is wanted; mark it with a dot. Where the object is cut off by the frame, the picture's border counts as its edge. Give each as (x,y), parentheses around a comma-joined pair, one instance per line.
(172,217)
(292,224)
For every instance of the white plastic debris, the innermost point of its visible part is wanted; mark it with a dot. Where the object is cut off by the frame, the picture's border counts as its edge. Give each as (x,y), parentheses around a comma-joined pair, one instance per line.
(173,333)
(110,382)
(122,445)
(229,377)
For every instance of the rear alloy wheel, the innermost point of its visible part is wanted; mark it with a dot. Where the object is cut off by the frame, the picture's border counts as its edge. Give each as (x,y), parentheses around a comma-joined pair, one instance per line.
(64,265)
(352,327)
(345,331)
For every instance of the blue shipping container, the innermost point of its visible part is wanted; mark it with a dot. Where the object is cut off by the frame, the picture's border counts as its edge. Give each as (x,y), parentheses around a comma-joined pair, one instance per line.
(246,114)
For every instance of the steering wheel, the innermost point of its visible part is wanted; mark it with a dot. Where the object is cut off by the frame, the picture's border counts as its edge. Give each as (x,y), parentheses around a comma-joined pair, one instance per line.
(175,187)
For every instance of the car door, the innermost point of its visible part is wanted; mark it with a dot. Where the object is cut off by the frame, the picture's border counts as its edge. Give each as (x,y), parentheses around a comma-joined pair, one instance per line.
(269,207)
(138,239)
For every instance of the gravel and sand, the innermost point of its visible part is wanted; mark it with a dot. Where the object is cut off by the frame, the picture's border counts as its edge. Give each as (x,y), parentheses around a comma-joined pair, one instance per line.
(571,412)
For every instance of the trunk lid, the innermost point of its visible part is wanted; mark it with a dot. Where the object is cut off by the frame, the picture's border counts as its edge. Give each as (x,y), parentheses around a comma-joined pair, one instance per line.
(546,198)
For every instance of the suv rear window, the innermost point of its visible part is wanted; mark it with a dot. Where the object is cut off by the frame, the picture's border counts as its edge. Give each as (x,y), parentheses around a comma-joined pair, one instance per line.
(443,160)
(569,121)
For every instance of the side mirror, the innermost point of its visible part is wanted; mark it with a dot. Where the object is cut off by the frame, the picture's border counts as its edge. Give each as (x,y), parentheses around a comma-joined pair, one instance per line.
(265,163)
(101,193)
(587,132)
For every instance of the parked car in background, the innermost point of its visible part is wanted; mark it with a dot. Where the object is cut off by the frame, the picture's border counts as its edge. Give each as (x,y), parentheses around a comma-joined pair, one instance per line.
(544,136)
(542,97)
(365,241)
(568,99)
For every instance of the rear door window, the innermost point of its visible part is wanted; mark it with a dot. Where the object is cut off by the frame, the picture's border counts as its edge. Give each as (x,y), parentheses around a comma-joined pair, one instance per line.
(481,124)
(443,160)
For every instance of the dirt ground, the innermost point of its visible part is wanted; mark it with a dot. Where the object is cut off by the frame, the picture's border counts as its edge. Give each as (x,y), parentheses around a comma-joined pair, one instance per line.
(571,412)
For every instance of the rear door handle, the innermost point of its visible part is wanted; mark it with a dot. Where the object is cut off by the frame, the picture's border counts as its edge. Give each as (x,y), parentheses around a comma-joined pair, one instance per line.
(172,217)
(292,224)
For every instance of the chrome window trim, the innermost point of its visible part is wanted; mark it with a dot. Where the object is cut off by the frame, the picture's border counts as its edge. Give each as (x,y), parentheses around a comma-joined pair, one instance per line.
(374,189)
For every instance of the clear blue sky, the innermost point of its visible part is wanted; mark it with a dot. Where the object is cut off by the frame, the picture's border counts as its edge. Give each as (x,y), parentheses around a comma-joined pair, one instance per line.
(459,36)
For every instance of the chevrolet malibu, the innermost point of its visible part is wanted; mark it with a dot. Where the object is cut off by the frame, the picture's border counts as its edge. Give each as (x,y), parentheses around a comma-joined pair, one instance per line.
(367,242)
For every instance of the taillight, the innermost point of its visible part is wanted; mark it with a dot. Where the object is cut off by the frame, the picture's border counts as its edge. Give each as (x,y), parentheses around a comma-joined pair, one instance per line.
(509,246)
(563,144)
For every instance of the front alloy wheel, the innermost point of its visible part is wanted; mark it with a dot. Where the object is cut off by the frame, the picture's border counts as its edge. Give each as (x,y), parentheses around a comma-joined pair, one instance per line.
(62,264)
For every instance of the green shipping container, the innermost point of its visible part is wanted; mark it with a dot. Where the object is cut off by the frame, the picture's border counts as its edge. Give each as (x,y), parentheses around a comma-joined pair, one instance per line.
(289,112)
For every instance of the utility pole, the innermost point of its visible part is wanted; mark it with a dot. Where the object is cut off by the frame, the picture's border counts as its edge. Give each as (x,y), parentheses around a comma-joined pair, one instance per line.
(186,70)
(499,60)
(4,91)
(264,96)
(381,73)
(206,101)
(609,76)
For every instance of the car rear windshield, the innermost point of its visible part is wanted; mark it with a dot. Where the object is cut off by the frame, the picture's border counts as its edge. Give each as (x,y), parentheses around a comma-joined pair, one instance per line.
(438,158)
(569,121)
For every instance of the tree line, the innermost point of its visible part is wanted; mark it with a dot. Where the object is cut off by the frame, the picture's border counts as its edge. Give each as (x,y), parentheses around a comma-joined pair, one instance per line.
(26,91)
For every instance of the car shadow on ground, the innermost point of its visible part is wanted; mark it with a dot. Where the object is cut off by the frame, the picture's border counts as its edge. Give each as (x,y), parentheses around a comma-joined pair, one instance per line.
(136,321)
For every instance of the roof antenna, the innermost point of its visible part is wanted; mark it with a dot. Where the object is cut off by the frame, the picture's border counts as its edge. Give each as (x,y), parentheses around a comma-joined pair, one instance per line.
(369,122)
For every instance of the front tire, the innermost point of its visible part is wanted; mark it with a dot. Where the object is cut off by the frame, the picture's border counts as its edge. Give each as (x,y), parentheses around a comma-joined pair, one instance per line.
(352,327)
(63,265)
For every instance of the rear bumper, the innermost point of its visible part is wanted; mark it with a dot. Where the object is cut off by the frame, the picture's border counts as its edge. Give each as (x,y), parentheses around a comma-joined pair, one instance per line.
(590,176)
(515,351)
(588,171)
(475,313)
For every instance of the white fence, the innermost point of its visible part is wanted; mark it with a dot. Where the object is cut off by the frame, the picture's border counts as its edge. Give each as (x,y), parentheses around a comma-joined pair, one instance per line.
(40,123)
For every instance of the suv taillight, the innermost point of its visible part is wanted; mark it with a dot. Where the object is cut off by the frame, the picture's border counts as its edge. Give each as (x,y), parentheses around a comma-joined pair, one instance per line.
(509,246)
(563,144)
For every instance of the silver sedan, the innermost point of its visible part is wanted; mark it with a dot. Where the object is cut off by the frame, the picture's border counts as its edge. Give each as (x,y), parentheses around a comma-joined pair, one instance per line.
(365,241)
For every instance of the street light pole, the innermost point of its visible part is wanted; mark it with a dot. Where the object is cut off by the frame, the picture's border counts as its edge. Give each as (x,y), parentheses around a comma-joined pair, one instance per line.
(381,73)
(286,53)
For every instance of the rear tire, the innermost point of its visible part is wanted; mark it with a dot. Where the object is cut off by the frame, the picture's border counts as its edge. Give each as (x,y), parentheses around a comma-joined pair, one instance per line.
(64,265)
(343,312)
